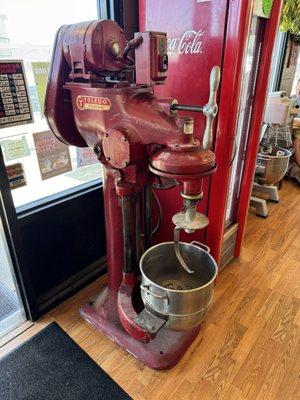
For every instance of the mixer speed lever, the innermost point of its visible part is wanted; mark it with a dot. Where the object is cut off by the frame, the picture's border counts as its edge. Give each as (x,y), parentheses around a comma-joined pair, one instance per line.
(210,109)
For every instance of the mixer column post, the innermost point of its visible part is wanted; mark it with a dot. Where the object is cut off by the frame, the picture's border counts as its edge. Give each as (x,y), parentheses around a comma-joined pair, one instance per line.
(148,215)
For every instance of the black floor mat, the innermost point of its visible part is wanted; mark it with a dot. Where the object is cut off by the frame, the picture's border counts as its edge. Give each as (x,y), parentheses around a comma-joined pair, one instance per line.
(8,302)
(52,366)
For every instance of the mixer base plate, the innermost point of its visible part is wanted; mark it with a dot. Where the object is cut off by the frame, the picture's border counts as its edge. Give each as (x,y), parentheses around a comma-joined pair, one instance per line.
(163,352)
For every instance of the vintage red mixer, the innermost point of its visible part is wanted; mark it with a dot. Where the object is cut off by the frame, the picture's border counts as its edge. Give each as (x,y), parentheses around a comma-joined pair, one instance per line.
(156,296)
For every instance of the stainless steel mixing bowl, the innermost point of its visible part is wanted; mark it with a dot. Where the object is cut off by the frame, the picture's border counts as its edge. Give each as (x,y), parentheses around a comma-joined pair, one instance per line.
(169,291)
(271,168)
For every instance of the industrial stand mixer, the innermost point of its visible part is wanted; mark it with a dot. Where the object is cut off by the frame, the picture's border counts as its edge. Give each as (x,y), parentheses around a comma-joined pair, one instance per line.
(275,150)
(137,137)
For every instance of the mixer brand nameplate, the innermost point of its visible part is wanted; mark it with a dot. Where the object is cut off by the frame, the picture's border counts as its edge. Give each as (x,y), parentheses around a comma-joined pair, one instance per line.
(93,103)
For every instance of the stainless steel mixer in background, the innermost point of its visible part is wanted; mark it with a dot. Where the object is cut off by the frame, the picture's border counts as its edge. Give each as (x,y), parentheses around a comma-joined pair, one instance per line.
(275,150)
(272,166)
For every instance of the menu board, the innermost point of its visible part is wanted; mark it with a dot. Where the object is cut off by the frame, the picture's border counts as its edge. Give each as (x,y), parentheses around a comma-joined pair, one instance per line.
(15,106)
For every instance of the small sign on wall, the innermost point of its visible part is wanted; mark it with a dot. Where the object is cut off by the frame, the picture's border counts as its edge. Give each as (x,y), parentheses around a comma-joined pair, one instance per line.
(262,8)
(15,108)
(15,148)
(53,155)
(16,175)
(40,73)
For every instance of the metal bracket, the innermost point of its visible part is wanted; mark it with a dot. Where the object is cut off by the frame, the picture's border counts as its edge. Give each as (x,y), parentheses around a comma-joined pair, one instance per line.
(148,291)
(149,322)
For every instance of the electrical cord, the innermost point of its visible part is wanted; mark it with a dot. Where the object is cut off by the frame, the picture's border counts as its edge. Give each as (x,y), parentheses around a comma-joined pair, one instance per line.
(159,220)
(159,214)
(132,44)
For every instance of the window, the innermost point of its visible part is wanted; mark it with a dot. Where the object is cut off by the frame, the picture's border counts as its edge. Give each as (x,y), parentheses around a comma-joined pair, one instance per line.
(27,31)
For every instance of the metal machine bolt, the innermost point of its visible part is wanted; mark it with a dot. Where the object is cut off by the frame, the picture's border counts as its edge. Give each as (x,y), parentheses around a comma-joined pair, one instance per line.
(115,49)
(98,150)
(188,126)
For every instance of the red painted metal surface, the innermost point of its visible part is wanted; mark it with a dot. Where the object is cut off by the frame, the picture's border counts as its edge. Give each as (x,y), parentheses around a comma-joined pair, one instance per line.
(196,38)
(129,128)
(112,212)
(128,124)
(224,29)
(58,113)
(96,37)
(256,122)
(151,73)
(127,312)
(163,352)
(197,163)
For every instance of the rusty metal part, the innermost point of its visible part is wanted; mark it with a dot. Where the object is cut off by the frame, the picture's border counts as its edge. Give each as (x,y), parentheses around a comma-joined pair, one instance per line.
(150,322)
(182,221)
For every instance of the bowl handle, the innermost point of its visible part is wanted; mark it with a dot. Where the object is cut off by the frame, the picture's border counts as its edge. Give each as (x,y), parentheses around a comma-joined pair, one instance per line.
(148,291)
(201,245)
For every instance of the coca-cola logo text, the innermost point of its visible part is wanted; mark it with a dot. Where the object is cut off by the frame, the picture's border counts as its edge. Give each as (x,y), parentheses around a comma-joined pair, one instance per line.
(188,43)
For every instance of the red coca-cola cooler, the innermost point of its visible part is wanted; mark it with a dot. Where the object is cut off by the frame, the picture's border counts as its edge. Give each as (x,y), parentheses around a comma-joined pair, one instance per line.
(237,36)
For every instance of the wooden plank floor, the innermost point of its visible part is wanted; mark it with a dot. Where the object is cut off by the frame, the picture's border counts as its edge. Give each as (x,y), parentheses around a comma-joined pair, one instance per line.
(248,347)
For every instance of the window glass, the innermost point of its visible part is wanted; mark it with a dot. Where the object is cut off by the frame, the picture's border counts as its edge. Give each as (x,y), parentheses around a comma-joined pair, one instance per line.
(11,311)
(251,61)
(296,77)
(39,166)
